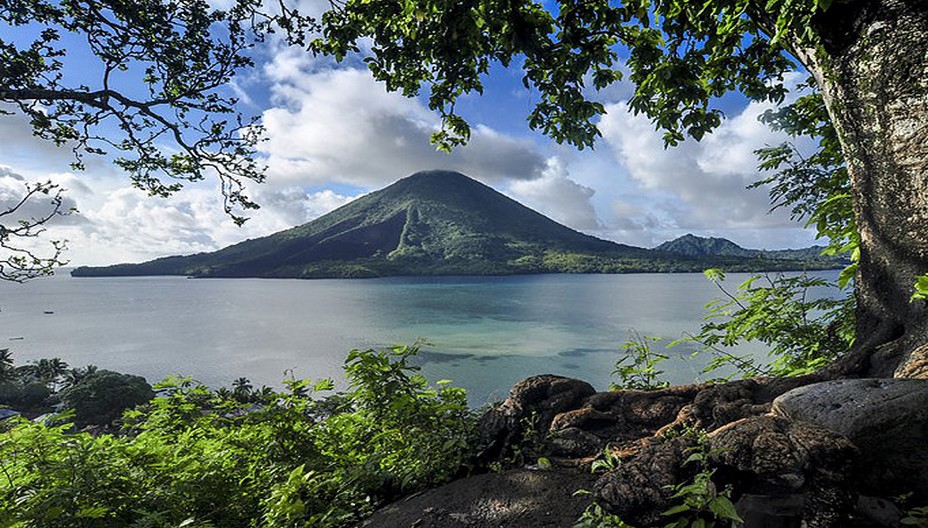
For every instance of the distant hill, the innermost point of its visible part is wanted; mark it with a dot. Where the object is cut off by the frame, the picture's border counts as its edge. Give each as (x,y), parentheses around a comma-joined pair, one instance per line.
(430,223)
(693,246)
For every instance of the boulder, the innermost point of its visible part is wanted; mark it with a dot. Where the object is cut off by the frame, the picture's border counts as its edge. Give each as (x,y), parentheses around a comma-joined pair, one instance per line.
(771,460)
(887,419)
(640,488)
(573,442)
(517,498)
(532,405)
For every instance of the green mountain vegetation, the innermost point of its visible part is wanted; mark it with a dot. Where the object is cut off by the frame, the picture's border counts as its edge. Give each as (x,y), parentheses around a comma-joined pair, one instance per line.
(437,223)
(694,246)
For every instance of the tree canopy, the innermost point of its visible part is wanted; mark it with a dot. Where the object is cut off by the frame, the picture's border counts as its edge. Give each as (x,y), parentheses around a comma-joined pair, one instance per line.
(156,95)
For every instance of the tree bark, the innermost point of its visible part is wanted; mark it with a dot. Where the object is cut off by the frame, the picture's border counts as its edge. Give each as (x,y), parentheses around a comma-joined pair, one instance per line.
(872,68)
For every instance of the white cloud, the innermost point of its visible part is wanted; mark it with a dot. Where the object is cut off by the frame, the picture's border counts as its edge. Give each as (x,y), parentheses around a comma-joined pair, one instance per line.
(707,179)
(340,125)
(555,195)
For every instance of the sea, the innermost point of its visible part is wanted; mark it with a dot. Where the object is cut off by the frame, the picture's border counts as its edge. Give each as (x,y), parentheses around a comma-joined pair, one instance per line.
(482,333)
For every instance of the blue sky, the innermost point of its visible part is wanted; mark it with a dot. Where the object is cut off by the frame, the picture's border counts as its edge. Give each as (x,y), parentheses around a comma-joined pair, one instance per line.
(334,134)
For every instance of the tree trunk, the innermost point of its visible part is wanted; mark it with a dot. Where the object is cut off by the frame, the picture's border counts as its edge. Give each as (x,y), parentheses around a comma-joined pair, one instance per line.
(873,72)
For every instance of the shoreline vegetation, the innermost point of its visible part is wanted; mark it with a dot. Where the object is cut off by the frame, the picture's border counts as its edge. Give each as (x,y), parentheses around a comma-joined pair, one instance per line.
(114,452)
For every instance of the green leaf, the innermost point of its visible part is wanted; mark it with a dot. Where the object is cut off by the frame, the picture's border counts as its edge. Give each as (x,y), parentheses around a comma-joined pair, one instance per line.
(921,288)
(723,508)
(675,510)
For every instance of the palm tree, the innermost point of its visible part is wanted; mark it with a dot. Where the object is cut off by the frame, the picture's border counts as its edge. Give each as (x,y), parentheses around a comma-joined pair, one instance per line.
(74,376)
(241,389)
(49,371)
(7,373)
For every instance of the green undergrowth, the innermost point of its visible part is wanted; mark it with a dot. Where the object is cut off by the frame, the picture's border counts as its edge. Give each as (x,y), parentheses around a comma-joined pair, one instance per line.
(193,457)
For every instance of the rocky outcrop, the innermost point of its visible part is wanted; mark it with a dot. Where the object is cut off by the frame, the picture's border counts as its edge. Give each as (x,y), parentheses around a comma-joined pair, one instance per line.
(640,489)
(887,419)
(784,449)
(769,459)
(532,405)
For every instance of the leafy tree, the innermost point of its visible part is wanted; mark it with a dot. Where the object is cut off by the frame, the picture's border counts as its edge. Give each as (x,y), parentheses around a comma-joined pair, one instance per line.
(102,396)
(866,59)
(76,375)
(47,370)
(33,395)
(159,106)
(241,389)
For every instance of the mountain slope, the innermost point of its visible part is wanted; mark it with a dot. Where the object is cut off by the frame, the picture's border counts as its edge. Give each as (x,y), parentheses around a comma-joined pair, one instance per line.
(430,223)
(693,246)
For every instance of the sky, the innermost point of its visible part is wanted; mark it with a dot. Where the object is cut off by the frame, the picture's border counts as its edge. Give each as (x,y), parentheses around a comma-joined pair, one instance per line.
(334,134)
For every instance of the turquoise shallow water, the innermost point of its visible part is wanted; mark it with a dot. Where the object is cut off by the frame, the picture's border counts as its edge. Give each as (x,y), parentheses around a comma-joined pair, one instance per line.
(485,333)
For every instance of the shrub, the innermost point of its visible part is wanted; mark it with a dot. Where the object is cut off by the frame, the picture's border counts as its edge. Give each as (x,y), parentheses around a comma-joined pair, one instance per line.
(101,397)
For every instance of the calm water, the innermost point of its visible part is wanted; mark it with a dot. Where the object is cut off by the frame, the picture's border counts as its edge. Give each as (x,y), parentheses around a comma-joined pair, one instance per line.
(485,333)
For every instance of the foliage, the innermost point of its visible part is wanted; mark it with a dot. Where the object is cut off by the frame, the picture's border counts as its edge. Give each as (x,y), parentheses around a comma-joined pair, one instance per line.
(700,504)
(637,370)
(803,333)
(921,288)
(916,517)
(159,100)
(816,187)
(6,365)
(683,55)
(595,516)
(607,462)
(101,397)
(193,457)
(32,386)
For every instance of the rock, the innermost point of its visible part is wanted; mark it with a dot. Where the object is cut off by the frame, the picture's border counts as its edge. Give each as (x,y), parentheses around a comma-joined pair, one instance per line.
(771,511)
(532,402)
(573,442)
(877,512)
(640,488)
(915,365)
(779,458)
(514,499)
(887,419)
(585,418)
(717,405)
(630,415)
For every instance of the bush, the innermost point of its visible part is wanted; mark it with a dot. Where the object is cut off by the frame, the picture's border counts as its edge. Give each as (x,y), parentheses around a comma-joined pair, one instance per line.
(34,395)
(102,396)
(200,458)
(10,393)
